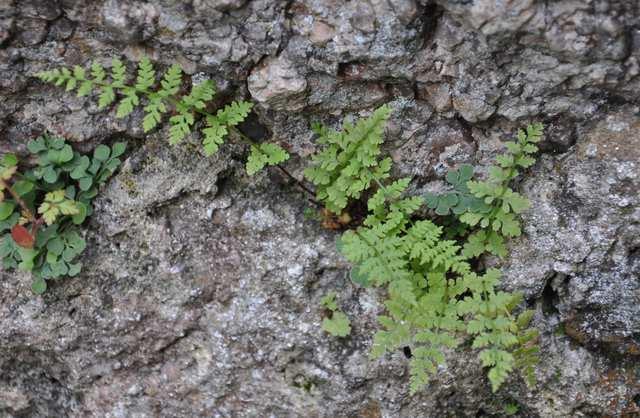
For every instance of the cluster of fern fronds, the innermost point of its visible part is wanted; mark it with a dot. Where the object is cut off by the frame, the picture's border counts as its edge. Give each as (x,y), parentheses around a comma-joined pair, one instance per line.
(435,296)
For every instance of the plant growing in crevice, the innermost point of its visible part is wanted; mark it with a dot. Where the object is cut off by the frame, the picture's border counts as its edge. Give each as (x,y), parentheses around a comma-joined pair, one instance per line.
(337,324)
(459,200)
(42,209)
(500,220)
(349,162)
(435,298)
(433,294)
(511,409)
(159,97)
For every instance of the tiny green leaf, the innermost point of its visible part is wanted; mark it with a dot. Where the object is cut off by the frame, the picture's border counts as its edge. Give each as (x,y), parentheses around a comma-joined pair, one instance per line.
(39,286)
(338,325)
(6,209)
(101,153)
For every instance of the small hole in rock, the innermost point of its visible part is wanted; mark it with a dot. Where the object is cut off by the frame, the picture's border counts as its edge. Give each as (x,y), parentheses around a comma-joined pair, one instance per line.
(550,297)
(253,128)
(407,352)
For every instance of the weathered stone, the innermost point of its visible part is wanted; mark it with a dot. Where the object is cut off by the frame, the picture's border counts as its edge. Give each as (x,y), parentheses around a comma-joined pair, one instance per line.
(277,82)
(31,31)
(6,26)
(472,108)
(221,5)
(40,9)
(128,21)
(438,96)
(61,29)
(585,227)
(321,33)
(200,289)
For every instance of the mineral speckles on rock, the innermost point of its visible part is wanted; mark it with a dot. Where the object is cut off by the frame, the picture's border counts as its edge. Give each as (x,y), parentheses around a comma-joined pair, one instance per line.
(220,5)
(277,82)
(129,21)
(587,231)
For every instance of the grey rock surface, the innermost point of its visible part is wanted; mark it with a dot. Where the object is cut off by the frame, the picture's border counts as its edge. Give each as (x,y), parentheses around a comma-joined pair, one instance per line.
(201,287)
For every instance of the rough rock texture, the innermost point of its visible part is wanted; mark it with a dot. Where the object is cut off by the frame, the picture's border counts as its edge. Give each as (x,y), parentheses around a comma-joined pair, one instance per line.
(200,291)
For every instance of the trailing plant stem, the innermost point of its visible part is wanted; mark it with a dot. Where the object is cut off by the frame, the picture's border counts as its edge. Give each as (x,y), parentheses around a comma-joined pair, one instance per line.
(18,199)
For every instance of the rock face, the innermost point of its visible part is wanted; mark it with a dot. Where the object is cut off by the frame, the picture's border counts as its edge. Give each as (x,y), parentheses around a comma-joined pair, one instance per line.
(201,287)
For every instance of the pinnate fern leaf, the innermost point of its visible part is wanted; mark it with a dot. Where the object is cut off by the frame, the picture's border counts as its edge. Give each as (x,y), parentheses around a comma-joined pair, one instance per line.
(338,325)
(146,75)
(218,126)
(263,155)
(350,161)
(234,113)
(157,99)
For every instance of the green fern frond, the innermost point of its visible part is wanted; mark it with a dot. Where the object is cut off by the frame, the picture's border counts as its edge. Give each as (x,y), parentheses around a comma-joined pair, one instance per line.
(350,161)
(234,113)
(434,294)
(199,95)
(118,73)
(180,126)
(127,103)
(263,155)
(217,130)
(213,136)
(171,81)
(154,110)
(157,100)
(146,75)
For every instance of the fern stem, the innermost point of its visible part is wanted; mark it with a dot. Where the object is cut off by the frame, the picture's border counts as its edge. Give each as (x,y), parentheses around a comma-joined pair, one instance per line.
(280,167)
(19,201)
(380,185)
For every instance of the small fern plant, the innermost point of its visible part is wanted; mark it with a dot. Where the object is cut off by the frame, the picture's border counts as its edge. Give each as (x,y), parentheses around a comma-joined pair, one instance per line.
(349,162)
(492,204)
(41,209)
(435,297)
(338,323)
(165,95)
(505,204)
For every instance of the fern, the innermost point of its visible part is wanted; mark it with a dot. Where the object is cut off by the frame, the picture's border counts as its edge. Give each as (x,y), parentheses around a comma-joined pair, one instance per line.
(501,221)
(263,155)
(349,162)
(159,98)
(490,205)
(427,278)
(434,296)
(56,204)
(338,324)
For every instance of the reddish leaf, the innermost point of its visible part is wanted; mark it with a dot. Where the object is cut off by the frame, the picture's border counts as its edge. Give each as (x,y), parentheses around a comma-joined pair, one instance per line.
(22,236)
